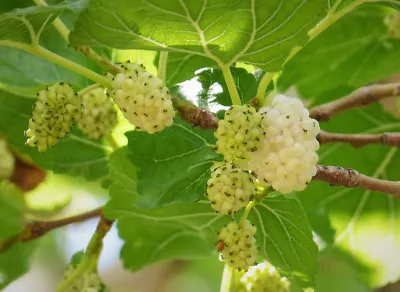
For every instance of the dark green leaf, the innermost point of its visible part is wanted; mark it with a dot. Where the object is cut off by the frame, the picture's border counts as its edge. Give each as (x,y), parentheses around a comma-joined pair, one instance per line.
(353,52)
(15,262)
(173,164)
(259,32)
(74,154)
(11,210)
(284,238)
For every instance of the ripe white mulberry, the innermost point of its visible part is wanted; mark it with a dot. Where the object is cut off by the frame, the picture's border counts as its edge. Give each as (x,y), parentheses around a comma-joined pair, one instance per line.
(230,188)
(287,159)
(54,114)
(264,278)
(88,282)
(99,116)
(239,248)
(7,160)
(143,98)
(239,133)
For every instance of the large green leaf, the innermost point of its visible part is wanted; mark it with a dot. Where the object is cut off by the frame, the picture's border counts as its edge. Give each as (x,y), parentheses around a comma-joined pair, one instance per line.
(173,165)
(284,238)
(11,210)
(260,32)
(353,52)
(15,262)
(366,223)
(74,154)
(189,230)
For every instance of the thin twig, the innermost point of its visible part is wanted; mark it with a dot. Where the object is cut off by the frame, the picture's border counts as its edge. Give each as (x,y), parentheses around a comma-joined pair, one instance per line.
(361,97)
(37,229)
(194,115)
(350,178)
(89,261)
(360,140)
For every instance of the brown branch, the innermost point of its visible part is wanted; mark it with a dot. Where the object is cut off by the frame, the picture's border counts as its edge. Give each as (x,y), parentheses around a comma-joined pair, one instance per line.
(361,97)
(360,140)
(194,115)
(347,177)
(37,229)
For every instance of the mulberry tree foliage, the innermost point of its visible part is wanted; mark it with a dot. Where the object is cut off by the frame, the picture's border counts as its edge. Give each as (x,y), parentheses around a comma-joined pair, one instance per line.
(198,120)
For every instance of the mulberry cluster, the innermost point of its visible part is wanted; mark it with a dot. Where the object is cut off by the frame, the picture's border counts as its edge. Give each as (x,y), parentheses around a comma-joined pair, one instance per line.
(142,98)
(88,282)
(264,278)
(7,160)
(230,188)
(55,112)
(239,133)
(99,116)
(287,159)
(239,248)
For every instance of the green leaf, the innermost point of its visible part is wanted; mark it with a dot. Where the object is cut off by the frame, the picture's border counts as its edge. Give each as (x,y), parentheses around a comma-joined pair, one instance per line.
(246,84)
(123,189)
(353,52)
(173,164)
(11,210)
(259,32)
(189,230)
(284,238)
(365,222)
(181,66)
(179,231)
(25,24)
(74,154)
(15,262)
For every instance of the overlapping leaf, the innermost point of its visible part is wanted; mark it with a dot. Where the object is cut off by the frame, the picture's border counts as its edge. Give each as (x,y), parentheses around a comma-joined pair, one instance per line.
(352,52)
(259,32)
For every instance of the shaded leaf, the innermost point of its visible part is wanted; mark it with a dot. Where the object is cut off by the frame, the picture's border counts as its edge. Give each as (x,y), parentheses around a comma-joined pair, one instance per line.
(352,52)
(173,165)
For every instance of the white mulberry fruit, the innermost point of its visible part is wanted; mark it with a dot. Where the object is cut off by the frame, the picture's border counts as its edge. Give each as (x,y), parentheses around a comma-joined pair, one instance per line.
(143,99)
(99,116)
(238,245)
(287,159)
(54,114)
(239,133)
(88,282)
(7,161)
(230,188)
(264,278)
